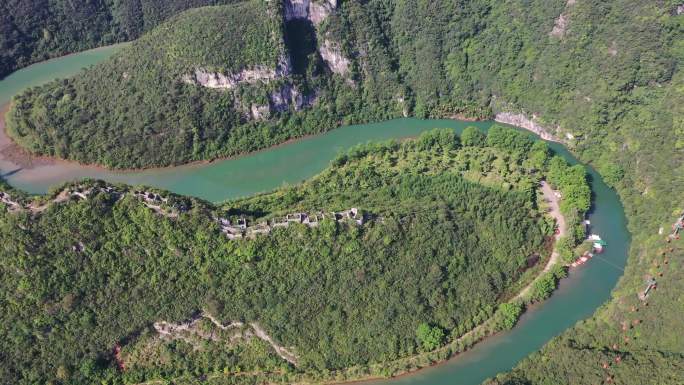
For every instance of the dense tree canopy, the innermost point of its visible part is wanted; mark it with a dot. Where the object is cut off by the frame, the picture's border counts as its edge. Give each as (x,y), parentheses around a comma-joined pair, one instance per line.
(36,30)
(608,77)
(436,249)
(472,58)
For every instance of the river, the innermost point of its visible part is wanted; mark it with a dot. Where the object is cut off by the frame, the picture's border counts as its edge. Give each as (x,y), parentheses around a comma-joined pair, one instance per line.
(577,298)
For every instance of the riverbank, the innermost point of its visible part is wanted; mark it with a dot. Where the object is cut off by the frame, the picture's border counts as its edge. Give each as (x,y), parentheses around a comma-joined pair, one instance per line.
(13,154)
(522,121)
(552,199)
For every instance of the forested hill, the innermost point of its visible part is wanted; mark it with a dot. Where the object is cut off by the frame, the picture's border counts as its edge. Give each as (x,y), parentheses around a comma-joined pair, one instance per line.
(35,30)
(149,107)
(113,284)
(604,76)
(605,66)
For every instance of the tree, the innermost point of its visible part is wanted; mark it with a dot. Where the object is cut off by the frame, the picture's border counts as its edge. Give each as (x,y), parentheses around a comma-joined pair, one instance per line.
(539,155)
(612,174)
(546,284)
(507,315)
(472,137)
(430,337)
(444,138)
(508,139)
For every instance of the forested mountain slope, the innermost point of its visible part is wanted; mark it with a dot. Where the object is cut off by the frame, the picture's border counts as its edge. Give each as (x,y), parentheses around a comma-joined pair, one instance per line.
(35,30)
(108,283)
(149,104)
(604,76)
(613,81)
(365,61)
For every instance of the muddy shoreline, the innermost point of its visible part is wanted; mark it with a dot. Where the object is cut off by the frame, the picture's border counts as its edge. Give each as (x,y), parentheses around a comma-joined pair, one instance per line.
(13,154)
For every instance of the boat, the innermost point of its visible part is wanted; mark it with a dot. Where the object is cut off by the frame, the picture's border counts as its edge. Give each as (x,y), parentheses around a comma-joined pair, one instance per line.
(582,260)
(599,245)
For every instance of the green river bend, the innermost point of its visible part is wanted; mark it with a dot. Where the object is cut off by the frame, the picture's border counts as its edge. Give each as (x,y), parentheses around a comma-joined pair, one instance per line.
(577,297)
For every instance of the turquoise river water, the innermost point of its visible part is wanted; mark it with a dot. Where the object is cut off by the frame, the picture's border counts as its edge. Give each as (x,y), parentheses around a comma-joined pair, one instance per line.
(577,298)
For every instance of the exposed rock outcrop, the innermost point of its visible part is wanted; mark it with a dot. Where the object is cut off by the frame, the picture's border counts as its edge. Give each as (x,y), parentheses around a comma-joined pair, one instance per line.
(286,97)
(332,54)
(296,9)
(317,11)
(612,50)
(520,120)
(314,11)
(561,23)
(282,99)
(253,75)
(260,112)
(559,26)
(206,78)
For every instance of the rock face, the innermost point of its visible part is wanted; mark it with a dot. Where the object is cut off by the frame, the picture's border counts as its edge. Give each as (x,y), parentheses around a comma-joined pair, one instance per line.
(317,11)
(314,11)
(559,26)
(260,112)
(296,9)
(561,23)
(523,121)
(256,74)
(286,97)
(218,80)
(332,54)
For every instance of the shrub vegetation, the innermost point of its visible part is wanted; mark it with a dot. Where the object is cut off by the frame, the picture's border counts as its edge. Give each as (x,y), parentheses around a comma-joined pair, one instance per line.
(442,247)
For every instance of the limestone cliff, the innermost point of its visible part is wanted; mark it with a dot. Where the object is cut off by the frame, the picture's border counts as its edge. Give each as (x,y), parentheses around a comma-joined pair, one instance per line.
(332,54)
(284,98)
(256,74)
(314,11)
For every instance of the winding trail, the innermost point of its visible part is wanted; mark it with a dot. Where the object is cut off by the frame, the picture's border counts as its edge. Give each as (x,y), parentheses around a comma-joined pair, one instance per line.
(169,329)
(479,332)
(553,201)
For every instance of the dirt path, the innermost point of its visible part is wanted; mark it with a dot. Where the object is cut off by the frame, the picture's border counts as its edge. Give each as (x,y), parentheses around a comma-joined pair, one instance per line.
(552,200)
(554,211)
(282,352)
(170,329)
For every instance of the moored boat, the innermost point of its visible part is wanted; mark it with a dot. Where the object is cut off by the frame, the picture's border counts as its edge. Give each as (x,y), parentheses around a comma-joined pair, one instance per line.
(582,260)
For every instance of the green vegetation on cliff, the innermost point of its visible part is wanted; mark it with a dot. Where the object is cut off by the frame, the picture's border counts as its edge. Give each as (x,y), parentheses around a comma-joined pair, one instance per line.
(135,109)
(35,30)
(607,73)
(101,271)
